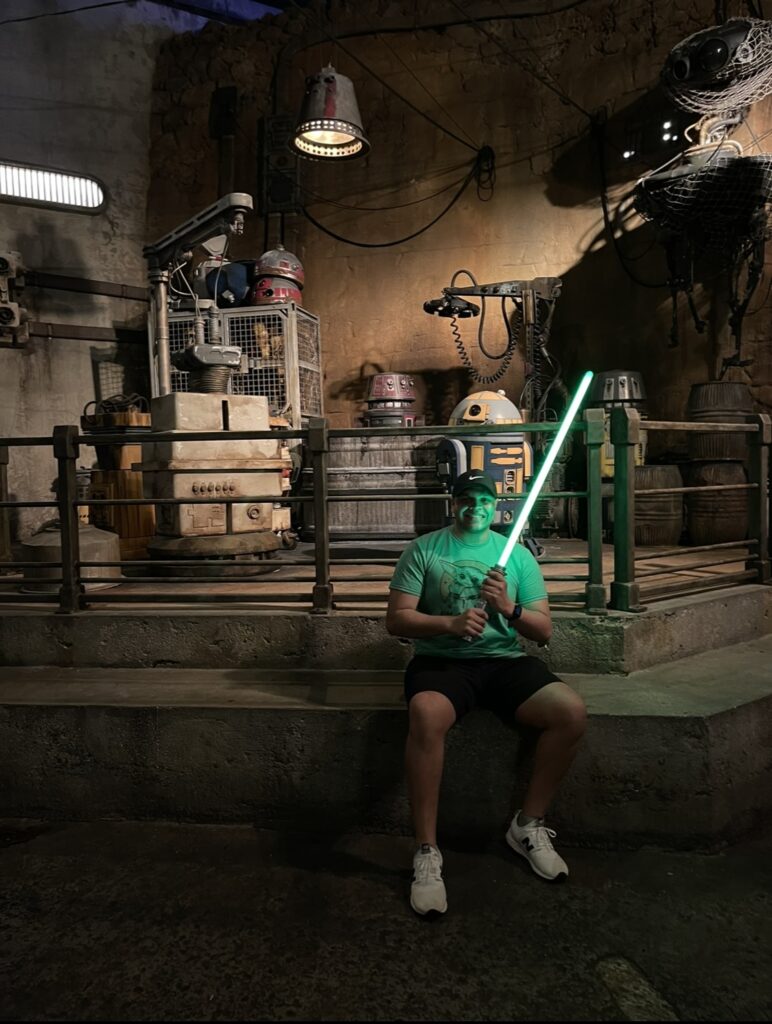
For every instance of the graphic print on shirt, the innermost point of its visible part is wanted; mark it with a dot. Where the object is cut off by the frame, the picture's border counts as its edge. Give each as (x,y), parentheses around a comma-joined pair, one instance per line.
(460,585)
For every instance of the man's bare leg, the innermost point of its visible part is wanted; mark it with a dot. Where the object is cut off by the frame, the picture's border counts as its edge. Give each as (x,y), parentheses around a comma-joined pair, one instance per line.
(431,716)
(560,713)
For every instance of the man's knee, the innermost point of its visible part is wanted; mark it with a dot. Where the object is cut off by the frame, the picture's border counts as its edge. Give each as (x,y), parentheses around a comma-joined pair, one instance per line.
(571,714)
(431,714)
(556,707)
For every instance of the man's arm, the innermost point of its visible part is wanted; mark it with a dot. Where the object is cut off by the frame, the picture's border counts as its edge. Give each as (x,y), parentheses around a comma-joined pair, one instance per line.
(404,619)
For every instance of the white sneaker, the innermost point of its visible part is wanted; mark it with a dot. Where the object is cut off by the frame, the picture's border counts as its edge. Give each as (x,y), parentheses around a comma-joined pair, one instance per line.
(534,842)
(427,893)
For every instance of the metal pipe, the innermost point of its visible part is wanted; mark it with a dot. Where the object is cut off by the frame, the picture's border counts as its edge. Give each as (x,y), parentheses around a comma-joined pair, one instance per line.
(669,552)
(705,487)
(89,286)
(675,570)
(700,428)
(159,311)
(79,332)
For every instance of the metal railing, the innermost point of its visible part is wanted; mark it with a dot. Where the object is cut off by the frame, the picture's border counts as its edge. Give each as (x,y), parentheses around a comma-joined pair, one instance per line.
(625,587)
(626,426)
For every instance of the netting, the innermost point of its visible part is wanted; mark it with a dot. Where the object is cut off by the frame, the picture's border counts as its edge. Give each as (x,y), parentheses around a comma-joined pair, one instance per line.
(695,83)
(718,203)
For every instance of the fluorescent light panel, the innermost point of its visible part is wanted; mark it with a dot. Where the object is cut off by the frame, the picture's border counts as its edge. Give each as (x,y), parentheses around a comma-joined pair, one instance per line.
(50,188)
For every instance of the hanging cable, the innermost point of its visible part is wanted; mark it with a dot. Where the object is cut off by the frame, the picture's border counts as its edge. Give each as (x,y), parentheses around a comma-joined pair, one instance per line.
(371,209)
(431,96)
(72,10)
(480,169)
(564,98)
(506,356)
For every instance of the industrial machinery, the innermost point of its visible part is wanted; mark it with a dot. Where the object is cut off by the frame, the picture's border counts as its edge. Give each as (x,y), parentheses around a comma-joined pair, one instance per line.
(166,258)
(13,316)
(712,199)
(277,276)
(508,458)
(529,320)
(252,306)
(544,395)
(219,468)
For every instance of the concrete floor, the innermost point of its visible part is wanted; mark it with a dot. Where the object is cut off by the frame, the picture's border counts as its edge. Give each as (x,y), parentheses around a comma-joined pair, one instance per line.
(126,921)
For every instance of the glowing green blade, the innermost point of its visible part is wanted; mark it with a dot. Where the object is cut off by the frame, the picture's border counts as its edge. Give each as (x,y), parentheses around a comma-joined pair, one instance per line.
(546,466)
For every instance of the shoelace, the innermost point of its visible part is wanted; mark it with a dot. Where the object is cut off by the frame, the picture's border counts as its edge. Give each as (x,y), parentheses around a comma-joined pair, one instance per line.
(542,837)
(427,868)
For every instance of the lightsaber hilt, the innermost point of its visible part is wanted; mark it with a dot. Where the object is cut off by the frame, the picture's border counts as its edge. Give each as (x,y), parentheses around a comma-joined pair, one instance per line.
(482,603)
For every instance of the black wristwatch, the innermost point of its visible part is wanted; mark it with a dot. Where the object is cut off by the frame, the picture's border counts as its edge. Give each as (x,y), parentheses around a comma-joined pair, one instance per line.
(517,611)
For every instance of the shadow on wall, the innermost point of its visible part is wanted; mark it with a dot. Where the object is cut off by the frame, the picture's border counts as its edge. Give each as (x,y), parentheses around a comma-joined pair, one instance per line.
(615,309)
(575,177)
(45,248)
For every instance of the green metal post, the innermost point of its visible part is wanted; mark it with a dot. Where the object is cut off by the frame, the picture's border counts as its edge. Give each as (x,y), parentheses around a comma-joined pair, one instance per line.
(319,445)
(758,510)
(625,434)
(595,590)
(66,451)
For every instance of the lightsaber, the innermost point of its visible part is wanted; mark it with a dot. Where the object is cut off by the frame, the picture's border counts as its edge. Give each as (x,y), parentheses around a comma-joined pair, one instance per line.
(541,476)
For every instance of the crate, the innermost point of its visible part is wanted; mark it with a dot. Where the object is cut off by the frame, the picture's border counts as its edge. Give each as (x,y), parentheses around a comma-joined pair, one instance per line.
(281,356)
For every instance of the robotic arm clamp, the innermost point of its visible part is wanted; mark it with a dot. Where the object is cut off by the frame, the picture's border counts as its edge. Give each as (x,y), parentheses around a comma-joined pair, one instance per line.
(226,216)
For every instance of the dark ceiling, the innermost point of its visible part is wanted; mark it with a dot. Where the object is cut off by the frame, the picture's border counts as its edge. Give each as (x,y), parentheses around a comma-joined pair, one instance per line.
(232,11)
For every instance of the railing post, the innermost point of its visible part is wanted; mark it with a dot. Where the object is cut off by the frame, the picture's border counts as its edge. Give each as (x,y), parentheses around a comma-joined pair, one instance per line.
(595,589)
(319,445)
(758,510)
(66,451)
(625,434)
(5,525)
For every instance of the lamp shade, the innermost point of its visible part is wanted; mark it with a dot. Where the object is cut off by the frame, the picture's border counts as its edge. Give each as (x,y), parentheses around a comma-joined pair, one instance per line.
(330,125)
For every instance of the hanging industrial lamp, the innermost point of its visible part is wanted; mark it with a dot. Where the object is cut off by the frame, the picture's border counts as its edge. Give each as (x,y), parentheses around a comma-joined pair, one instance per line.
(330,126)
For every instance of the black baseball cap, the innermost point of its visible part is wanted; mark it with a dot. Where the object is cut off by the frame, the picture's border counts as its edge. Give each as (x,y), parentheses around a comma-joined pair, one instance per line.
(475,478)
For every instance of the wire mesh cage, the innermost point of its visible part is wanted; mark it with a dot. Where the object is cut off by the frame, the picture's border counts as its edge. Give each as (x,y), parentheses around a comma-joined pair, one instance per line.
(280,356)
(717,202)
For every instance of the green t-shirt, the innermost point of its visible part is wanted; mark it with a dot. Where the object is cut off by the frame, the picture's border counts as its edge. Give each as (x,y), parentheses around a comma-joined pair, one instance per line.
(446,575)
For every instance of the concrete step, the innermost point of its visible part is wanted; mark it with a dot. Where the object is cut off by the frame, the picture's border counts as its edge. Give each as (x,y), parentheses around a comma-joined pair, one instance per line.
(679,755)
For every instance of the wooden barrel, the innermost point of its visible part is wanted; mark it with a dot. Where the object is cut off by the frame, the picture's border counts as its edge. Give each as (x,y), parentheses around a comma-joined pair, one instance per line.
(378,464)
(719,401)
(714,517)
(658,517)
(134,524)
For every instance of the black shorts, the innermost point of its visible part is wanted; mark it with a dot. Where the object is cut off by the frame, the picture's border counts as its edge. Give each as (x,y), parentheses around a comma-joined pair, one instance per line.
(499,684)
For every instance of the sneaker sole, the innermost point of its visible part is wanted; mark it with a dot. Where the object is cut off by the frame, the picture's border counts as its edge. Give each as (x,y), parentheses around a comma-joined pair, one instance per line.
(514,845)
(431,912)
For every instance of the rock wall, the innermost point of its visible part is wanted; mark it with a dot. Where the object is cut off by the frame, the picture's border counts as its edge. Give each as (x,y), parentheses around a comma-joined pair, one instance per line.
(77,98)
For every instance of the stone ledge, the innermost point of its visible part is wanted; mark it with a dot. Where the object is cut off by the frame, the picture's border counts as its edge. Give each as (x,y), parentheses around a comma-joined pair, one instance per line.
(239,638)
(676,756)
